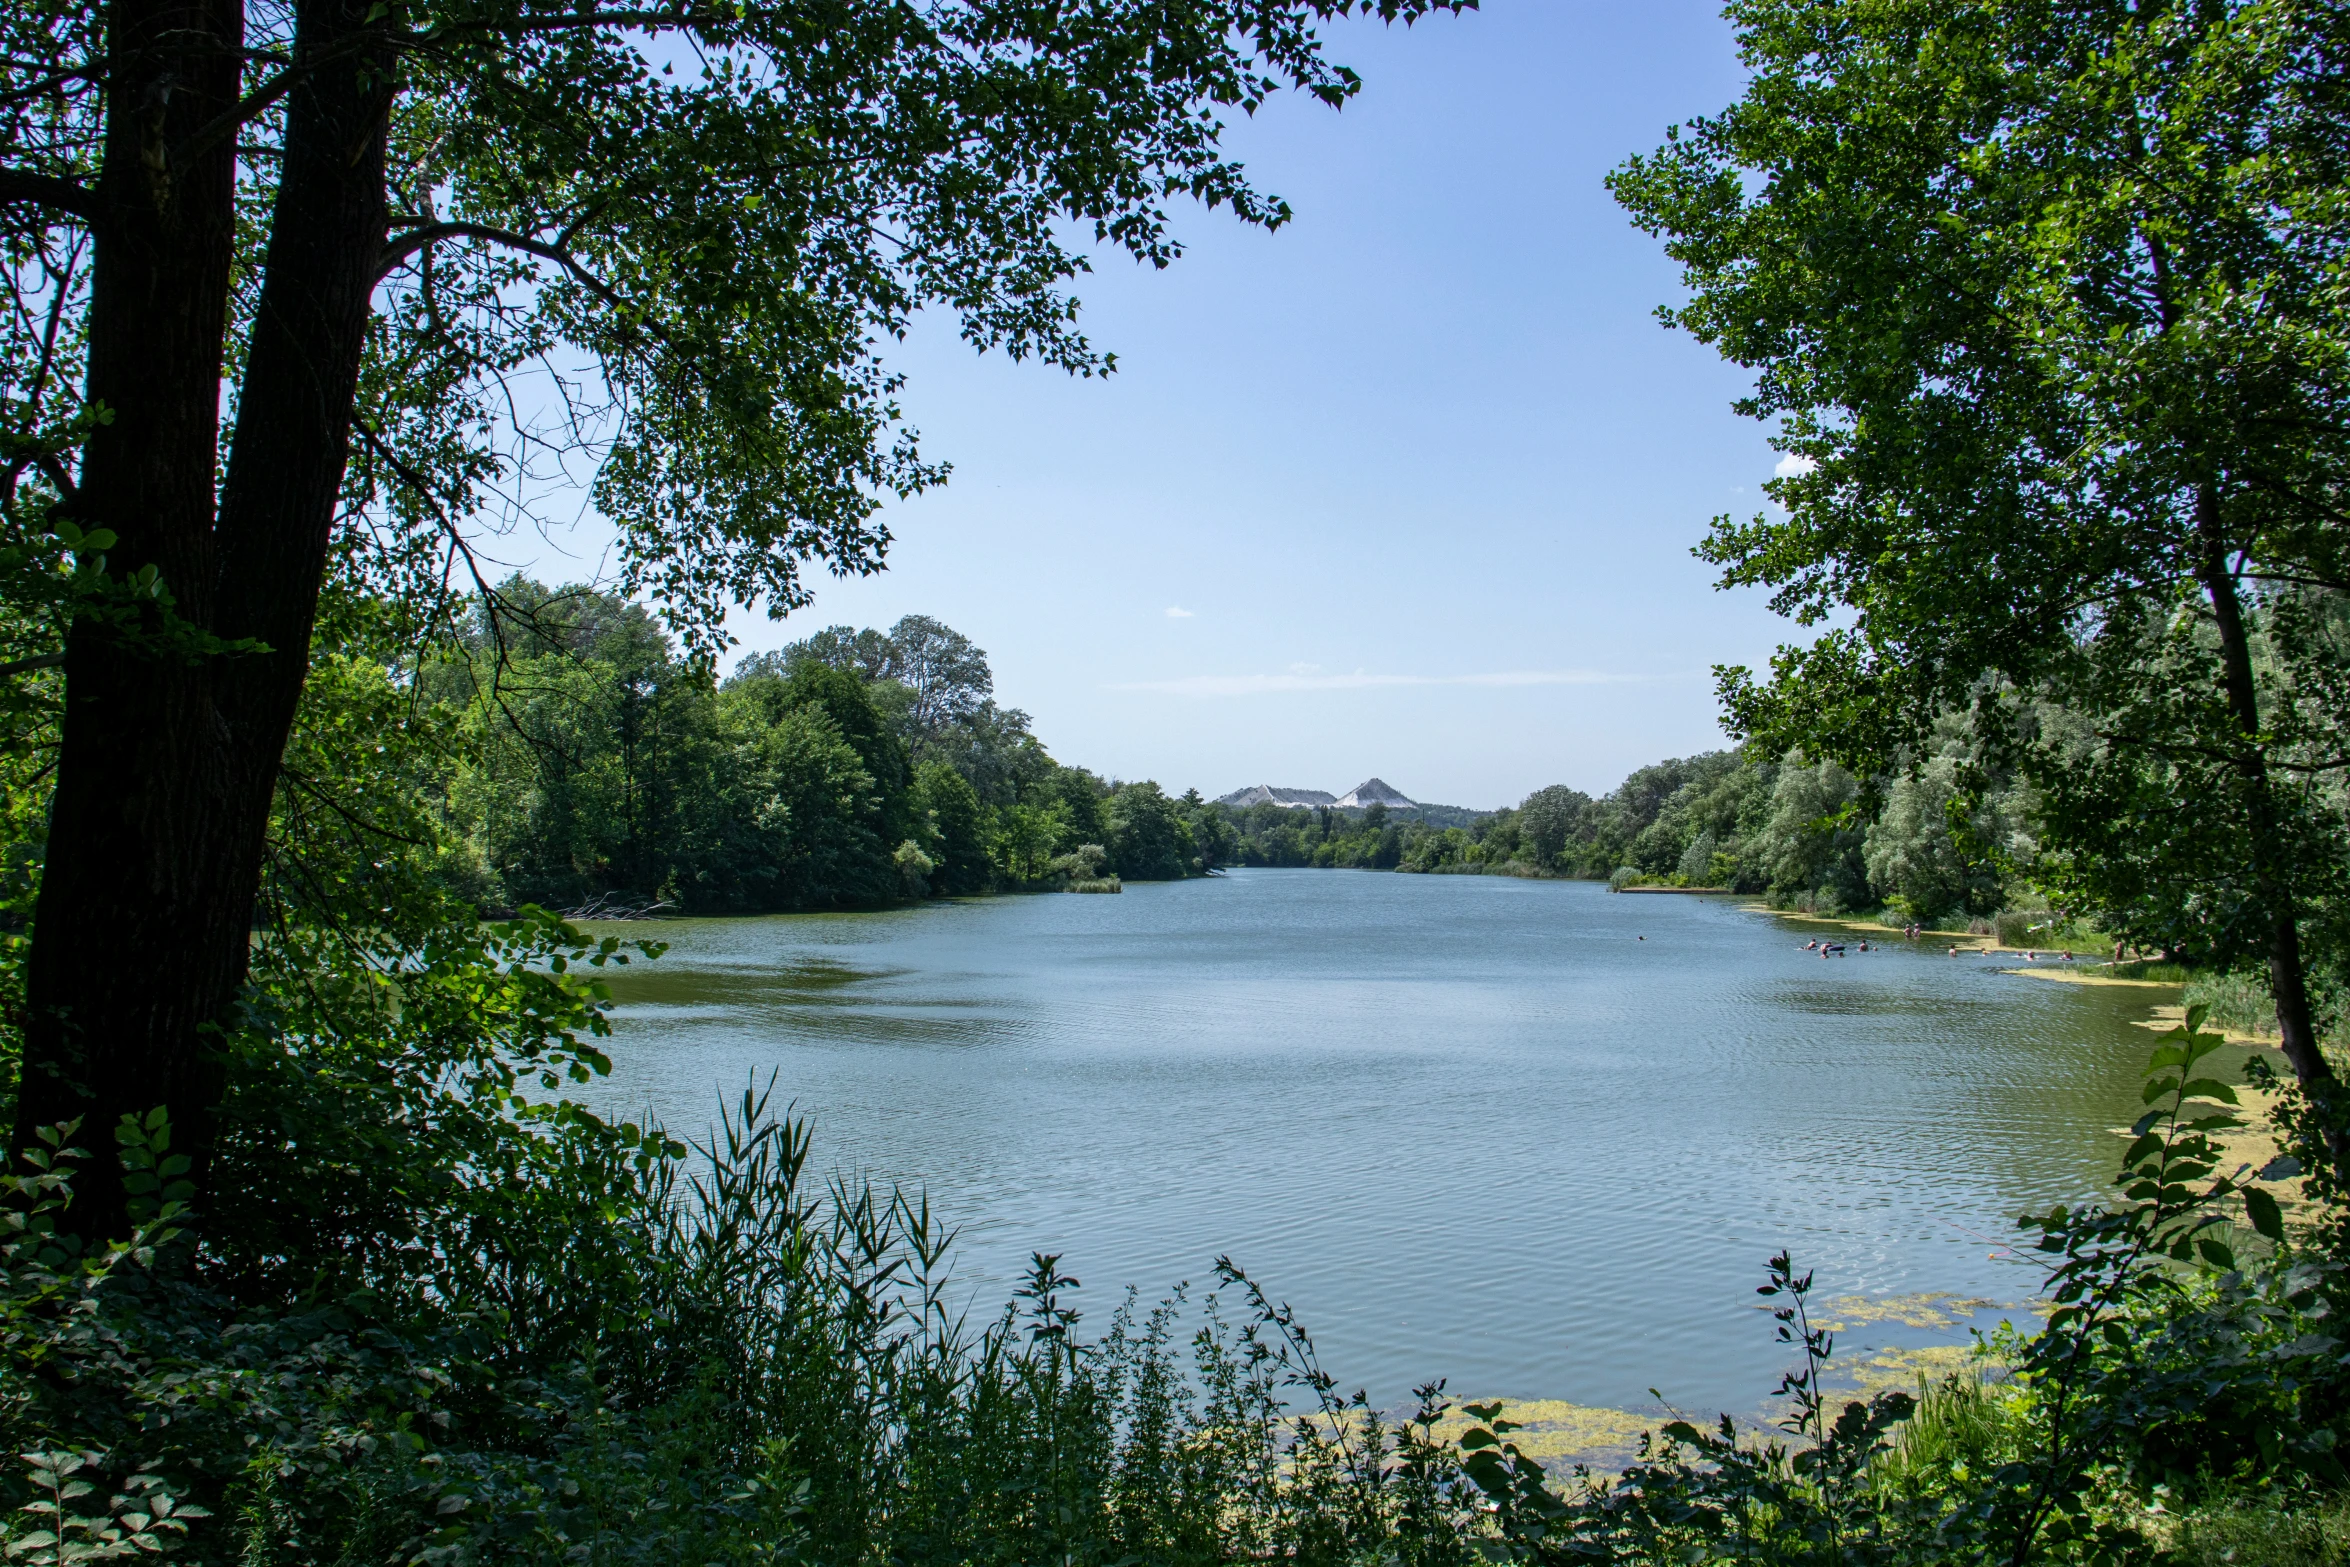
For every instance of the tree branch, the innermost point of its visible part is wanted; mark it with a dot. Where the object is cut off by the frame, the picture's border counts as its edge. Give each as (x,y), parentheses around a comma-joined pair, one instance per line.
(225,123)
(401,246)
(518,27)
(24,666)
(52,82)
(18,186)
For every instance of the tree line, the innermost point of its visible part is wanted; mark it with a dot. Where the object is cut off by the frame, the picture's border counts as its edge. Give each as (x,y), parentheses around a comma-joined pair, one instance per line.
(1804,835)
(595,768)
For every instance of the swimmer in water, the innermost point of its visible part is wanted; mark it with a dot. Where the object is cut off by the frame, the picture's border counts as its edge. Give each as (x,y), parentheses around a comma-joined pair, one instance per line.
(1864,946)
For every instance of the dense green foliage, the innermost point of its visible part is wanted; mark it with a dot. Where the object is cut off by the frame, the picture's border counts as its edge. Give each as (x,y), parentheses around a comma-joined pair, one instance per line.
(2046,306)
(596,769)
(1808,836)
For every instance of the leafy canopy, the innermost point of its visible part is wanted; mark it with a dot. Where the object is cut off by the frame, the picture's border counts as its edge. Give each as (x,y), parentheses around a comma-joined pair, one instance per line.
(659,250)
(2046,304)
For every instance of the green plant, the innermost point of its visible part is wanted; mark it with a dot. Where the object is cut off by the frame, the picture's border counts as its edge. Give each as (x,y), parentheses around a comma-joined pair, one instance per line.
(2287,1529)
(2137,1365)
(77,1521)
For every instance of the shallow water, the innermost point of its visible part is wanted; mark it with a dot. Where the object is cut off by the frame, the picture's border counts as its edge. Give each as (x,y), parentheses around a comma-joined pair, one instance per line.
(1469,1127)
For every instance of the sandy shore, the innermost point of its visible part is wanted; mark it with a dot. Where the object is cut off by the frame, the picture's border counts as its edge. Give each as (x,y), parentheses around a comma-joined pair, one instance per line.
(2078,976)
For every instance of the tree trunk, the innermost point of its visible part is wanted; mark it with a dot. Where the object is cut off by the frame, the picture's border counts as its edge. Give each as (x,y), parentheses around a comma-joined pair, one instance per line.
(2287,974)
(170,758)
(135,944)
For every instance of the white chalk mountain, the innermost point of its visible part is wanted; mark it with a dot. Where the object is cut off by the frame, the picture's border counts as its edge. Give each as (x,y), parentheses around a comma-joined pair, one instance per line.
(1290,799)
(1376,791)
(1371,791)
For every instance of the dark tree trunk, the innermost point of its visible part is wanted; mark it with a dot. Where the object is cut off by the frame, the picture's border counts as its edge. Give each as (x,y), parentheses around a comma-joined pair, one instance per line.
(169,760)
(2287,973)
(131,954)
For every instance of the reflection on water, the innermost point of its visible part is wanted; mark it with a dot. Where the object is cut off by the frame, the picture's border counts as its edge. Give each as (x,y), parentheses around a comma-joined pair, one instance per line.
(1469,1126)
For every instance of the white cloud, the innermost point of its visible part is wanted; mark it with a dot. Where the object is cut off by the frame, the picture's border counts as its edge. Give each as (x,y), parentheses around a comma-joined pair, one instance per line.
(1309,677)
(1178,612)
(1794,466)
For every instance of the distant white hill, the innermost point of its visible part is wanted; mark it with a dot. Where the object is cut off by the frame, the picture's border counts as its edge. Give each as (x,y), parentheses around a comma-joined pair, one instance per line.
(1290,799)
(1371,791)
(1376,791)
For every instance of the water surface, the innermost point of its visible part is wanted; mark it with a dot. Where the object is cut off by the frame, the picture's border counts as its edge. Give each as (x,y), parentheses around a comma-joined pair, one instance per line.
(1468,1126)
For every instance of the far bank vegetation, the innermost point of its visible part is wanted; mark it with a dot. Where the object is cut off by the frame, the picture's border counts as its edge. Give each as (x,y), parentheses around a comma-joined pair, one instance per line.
(598,771)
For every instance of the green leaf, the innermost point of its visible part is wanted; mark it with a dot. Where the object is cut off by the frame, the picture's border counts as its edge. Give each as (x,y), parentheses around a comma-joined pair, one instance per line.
(2267,1218)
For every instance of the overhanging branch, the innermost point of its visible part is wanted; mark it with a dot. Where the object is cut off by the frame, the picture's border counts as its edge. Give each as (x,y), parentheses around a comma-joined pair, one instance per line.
(21,187)
(401,246)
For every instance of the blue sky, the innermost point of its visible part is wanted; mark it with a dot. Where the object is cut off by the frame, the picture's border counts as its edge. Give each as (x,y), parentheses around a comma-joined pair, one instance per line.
(1405,489)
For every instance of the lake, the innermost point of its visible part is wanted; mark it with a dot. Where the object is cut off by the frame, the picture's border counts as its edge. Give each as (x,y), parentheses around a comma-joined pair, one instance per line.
(1470,1127)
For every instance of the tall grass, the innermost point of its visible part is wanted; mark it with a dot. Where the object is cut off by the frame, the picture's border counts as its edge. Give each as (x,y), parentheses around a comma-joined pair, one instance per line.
(1962,1425)
(2271,1531)
(2239,1003)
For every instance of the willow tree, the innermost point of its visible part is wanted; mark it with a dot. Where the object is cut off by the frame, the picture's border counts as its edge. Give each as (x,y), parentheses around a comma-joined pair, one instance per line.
(2046,302)
(325,287)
